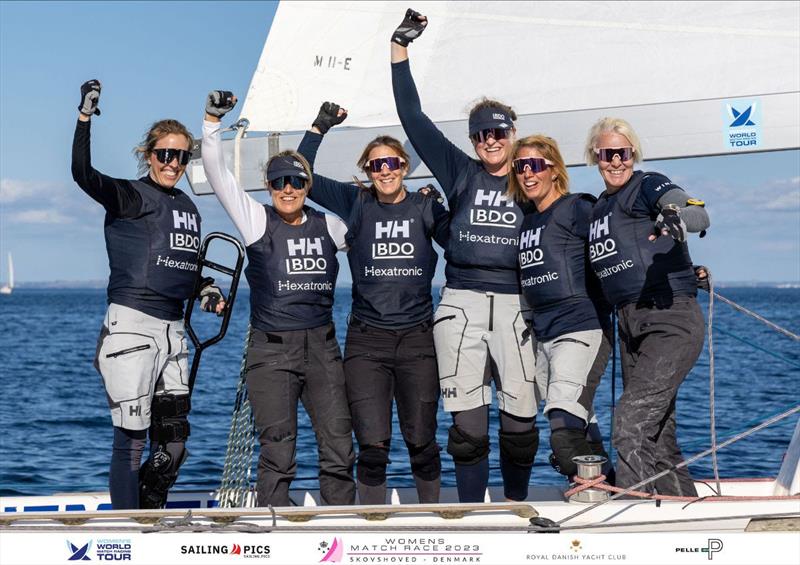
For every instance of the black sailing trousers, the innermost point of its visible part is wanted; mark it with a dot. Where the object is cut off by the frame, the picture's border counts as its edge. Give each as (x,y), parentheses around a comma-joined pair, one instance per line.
(658,348)
(306,365)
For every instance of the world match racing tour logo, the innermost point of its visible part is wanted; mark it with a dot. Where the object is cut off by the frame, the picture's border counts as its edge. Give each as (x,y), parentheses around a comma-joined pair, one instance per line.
(105,550)
(742,119)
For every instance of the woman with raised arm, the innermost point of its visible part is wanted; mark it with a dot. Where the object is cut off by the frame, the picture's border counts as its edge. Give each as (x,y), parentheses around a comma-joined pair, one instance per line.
(152,233)
(571,319)
(389,354)
(638,250)
(292,353)
(481,324)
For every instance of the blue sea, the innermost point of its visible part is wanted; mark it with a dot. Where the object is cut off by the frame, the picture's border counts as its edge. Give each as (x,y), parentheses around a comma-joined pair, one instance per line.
(56,430)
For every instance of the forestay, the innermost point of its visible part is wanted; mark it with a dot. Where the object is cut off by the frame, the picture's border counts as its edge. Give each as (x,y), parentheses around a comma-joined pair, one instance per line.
(696,79)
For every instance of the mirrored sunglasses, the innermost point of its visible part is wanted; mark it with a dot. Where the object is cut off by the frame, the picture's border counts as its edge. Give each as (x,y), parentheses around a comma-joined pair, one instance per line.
(607,153)
(484,134)
(166,156)
(376,165)
(279,183)
(534,164)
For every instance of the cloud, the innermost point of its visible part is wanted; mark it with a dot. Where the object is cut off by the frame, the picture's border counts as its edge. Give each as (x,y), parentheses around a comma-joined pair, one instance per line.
(789,202)
(40,217)
(12,190)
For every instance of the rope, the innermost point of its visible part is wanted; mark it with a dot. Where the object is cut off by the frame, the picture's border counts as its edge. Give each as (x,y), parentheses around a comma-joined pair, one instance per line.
(754,346)
(712,413)
(752,314)
(692,459)
(235,485)
(598,483)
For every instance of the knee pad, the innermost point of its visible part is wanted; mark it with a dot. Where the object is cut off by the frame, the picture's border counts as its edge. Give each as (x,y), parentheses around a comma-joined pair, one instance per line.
(158,474)
(466,449)
(519,448)
(169,418)
(425,461)
(372,462)
(566,444)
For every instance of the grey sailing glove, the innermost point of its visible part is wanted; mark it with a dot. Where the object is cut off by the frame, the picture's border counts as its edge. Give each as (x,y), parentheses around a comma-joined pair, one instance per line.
(210,296)
(220,102)
(328,117)
(410,28)
(702,277)
(90,97)
(669,222)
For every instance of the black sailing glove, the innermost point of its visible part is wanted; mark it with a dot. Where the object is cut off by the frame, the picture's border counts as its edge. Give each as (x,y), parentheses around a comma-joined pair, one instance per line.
(702,277)
(220,102)
(210,296)
(90,97)
(669,222)
(412,26)
(430,191)
(328,117)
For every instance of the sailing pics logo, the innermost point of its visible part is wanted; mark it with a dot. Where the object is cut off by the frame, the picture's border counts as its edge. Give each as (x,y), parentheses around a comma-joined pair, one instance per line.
(332,552)
(742,124)
(246,551)
(713,546)
(79,552)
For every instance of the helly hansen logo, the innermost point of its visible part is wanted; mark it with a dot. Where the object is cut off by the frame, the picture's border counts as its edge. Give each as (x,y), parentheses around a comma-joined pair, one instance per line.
(305,257)
(601,245)
(449,392)
(530,254)
(305,246)
(393,229)
(184,220)
(135,410)
(599,228)
(530,238)
(490,216)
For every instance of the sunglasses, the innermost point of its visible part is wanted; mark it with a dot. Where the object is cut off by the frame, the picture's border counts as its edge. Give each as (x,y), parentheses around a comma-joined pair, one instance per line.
(534,164)
(607,153)
(166,156)
(484,134)
(376,165)
(280,182)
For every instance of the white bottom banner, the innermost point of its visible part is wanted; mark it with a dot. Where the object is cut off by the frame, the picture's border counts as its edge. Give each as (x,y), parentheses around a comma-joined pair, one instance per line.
(433,548)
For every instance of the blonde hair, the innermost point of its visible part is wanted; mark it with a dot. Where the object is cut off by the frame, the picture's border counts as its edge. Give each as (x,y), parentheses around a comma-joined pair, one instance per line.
(548,148)
(611,125)
(294,155)
(389,142)
(158,130)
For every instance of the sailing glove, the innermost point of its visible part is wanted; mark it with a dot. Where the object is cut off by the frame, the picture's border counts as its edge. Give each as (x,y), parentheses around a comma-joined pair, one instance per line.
(669,222)
(90,96)
(411,28)
(702,277)
(431,191)
(328,117)
(220,102)
(210,296)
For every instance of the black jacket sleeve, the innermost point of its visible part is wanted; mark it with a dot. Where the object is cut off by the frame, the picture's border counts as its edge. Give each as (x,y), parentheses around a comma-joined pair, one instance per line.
(442,157)
(115,195)
(338,197)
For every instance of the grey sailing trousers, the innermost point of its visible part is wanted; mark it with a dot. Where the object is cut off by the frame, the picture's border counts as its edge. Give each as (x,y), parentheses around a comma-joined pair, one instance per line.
(658,348)
(306,365)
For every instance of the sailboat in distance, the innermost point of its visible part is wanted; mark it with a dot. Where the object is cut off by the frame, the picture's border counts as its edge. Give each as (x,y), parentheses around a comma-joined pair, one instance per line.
(6,289)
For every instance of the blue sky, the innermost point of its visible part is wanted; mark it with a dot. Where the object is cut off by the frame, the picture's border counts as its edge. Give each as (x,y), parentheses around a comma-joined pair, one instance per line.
(159,60)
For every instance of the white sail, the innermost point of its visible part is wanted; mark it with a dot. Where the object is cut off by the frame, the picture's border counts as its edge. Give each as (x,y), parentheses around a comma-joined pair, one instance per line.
(682,73)
(10,286)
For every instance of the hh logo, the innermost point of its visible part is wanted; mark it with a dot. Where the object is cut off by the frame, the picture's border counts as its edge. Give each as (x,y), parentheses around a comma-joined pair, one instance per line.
(492,198)
(305,246)
(305,257)
(530,238)
(135,410)
(449,392)
(741,118)
(184,220)
(598,250)
(393,229)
